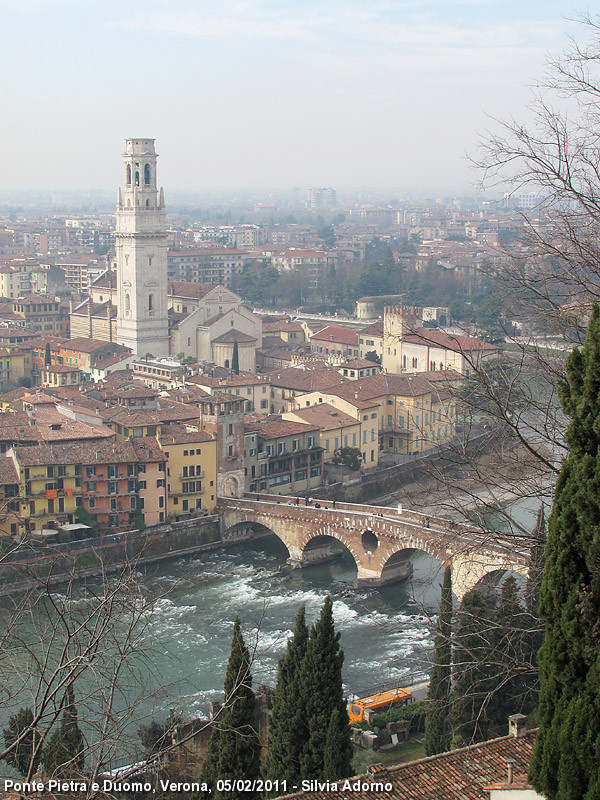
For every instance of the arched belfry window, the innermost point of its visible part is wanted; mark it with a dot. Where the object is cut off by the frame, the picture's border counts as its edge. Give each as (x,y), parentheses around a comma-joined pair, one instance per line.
(128,174)
(150,302)
(147,174)
(137,178)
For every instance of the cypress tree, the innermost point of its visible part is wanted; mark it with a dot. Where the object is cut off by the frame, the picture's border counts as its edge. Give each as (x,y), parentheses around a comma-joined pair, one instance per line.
(322,695)
(512,672)
(64,754)
(235,359)
(472,680)
(564,764)
(336,763)
(287,728)
(234,748)
(47,356)
(24,756)
(438,731)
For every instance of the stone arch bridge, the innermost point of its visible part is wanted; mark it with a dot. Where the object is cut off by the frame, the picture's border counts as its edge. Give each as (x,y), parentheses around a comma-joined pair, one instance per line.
(380,539)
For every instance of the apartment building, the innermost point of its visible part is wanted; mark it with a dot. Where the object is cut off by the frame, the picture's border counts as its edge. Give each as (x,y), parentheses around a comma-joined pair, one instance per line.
(191,470)
(282,456)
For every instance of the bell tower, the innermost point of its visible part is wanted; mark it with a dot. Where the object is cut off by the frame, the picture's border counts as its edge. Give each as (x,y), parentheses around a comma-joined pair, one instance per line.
(141,244)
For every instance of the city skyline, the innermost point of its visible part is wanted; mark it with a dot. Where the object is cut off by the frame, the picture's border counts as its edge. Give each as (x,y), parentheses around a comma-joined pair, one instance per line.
(265,95)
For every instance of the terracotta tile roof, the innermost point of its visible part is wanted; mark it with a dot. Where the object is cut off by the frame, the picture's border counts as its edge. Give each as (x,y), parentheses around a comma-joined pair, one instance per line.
(179,434)
(107,280)
(60,368)
(234,335)
(142,450)
(413,385)
(458,343)
(172,412)
(337,334)
(358,363)
(190,289)
(274,428)
(8,472)
(304,380)
(284,325)
(461,774)
(375,329)
(325,416)
(83,344)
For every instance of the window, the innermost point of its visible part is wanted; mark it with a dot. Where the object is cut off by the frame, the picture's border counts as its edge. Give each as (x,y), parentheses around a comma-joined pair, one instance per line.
(315,471)
(92,502)
(112,487)
(161,501)
(150,302)
(113,519)
(300,474)
(311,441)
(113,503)
(112,471)
(147,174)
(91,486)
(141,484)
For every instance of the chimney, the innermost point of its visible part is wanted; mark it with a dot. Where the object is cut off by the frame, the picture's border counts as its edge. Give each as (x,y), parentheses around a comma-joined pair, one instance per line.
(517,725)
(510,770)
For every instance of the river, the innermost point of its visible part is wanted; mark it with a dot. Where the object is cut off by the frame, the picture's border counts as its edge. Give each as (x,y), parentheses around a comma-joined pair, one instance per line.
(385,633)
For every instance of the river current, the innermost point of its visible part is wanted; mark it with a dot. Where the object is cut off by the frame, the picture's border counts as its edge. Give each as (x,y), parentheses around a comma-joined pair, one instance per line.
(386,633)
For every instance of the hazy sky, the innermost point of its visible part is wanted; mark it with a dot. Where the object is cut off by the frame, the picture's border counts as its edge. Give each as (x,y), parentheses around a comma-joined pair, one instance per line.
(266,93)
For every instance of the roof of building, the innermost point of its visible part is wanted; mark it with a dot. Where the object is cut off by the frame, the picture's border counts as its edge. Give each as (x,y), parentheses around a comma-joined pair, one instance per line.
(359,363)
(83,344)
(461,774)
(59,368)
(307,378)
(325,416)
(234,335)
(374,329)
(338,334)
(171,412)
(179,434)
(282,325)
(189,289)
(8,472)
(142,450)
(413,385)
(273,427)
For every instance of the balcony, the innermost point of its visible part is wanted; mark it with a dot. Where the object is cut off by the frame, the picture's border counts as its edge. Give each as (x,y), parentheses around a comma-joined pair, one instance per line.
(197,476)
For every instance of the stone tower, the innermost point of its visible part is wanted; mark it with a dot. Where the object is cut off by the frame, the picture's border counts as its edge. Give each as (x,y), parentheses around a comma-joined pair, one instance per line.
(141,243)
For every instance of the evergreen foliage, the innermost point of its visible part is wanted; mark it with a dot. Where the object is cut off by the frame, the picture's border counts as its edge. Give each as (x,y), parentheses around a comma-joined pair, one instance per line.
(564,765)
(234,747)
(513,665)
(24,756)
(472,678)
(235,359)
(322,695)
(438,731)
(47,356)
(287,729)
(336,762)
(64,754)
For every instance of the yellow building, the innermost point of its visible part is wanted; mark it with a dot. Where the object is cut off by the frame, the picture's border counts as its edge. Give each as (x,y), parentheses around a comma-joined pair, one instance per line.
(404,414)
(15,367)
(49,491)
(338,429)
(10,506)
(191,470)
